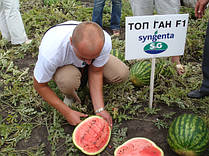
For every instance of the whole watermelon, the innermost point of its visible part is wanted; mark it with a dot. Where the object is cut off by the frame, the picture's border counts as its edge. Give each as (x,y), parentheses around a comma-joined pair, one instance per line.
(118,54)
(164,68)
(188,135)
(140,73)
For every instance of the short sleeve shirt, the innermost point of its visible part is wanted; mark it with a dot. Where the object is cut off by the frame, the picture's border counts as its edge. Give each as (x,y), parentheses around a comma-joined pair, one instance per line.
(56,51)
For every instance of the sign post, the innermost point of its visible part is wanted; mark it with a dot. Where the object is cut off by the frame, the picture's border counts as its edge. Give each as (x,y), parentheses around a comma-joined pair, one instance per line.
(152,83)
(149,37)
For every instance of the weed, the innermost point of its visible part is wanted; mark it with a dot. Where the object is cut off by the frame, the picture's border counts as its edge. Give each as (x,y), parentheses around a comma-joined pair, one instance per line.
(118,135)
(160,124)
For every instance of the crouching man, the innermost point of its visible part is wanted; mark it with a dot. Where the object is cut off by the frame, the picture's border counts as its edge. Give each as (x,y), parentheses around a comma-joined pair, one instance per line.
(68,50)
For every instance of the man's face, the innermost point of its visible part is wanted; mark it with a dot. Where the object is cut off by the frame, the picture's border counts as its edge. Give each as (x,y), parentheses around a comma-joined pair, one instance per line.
(88,60)
(84,54)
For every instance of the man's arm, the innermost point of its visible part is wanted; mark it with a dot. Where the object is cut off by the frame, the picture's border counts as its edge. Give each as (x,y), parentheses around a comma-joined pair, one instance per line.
(73,117)
(95,80)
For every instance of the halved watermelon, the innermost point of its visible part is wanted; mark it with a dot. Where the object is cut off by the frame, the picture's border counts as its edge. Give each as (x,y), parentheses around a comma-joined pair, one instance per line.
(138,147)
(92,135)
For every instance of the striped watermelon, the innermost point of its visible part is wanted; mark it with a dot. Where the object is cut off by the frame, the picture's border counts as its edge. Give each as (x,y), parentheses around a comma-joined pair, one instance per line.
(188,135)
(118,54)
(164,67)
(140,73)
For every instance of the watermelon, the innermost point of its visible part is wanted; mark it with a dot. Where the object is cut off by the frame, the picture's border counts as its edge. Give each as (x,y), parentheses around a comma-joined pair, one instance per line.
(164,68)
(138,147)
(188,135)
(140,73)
(118,54)
(92,135)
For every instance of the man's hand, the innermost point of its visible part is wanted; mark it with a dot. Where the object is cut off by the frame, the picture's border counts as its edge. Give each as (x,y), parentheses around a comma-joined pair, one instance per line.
(106,116)
(200,8)
(74,117)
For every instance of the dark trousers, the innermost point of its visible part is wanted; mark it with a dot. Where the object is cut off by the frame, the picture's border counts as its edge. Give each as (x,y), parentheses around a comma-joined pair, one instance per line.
(205,64)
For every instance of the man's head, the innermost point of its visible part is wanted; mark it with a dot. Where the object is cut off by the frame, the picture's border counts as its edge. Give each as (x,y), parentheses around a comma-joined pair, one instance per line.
(87,41)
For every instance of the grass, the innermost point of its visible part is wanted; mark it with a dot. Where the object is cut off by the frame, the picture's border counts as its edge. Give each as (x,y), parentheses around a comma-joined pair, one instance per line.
(22,110)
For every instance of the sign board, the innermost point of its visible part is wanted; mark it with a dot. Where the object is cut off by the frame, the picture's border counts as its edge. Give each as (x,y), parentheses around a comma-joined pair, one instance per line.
(155,36)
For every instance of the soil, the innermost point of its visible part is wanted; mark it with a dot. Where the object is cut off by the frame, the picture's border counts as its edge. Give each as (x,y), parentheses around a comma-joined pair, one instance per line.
(136,128)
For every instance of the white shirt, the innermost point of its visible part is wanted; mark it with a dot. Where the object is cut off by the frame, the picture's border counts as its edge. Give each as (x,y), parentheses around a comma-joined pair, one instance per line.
(56,51)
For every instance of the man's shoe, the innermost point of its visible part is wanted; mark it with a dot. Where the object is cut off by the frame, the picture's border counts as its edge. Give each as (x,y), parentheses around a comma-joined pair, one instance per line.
(197,94)
(68,101)
(116,32)
(28,41)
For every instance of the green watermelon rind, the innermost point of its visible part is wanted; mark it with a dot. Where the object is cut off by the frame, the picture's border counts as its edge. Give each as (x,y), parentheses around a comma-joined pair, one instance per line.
(118,54)
(164,67)
(74,139)
(177,138)
(136,138)
(140,73)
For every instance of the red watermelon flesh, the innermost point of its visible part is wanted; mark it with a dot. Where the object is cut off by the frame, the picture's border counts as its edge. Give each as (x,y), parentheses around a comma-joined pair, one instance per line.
(92,135)
(139,147)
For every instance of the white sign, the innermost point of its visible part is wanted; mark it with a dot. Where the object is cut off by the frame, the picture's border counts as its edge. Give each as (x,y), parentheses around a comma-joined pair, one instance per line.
(155,36)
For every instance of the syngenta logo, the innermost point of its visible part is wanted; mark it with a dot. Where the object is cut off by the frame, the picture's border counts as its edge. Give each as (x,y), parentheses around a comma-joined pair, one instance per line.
(155,47)
(156,37)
